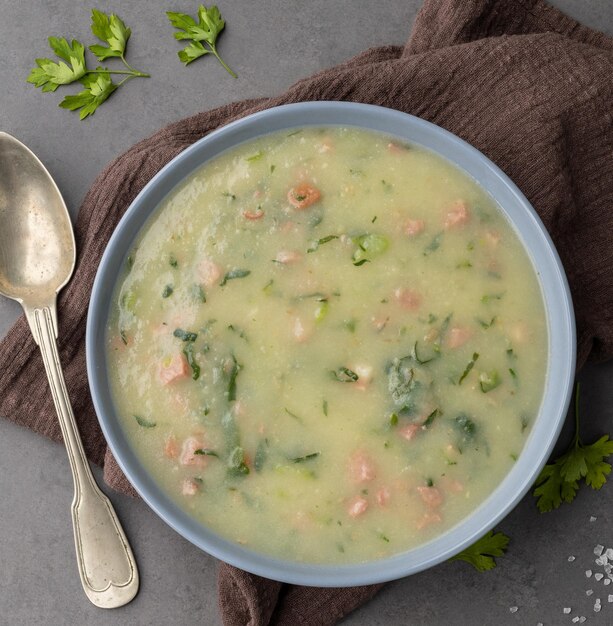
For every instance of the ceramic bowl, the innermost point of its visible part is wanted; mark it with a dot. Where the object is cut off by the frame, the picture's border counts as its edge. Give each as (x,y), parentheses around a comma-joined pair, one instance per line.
(527,225)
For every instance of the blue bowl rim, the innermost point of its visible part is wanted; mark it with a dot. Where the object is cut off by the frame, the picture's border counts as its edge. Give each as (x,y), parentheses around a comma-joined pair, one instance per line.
(524,220)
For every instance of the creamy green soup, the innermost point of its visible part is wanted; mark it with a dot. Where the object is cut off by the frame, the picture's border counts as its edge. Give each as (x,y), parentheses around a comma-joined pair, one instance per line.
(328,346)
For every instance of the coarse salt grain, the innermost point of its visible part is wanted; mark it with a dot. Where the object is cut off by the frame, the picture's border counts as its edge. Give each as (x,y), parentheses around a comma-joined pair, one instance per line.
(513,609)
(575,619)
(610,598)
(606,581)
(601,560)
(588,573)
(589,592)
(609,554)
(571,559)
(582,619)
(598,550)
(597,608)
(566,611)
(608,568)
(592,518)
(599,576)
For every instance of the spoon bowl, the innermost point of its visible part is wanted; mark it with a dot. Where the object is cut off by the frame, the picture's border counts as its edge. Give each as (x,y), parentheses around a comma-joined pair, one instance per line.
(37,246)
(37,258)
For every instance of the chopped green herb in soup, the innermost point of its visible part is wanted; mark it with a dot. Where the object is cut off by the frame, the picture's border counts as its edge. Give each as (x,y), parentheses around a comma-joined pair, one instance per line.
(332,352)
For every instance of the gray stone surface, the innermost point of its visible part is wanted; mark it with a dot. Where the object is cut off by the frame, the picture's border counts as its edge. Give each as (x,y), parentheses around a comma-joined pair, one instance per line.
(270,45)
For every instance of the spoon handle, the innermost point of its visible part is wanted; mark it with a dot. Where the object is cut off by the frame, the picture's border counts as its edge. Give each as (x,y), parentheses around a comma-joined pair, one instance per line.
(106,564)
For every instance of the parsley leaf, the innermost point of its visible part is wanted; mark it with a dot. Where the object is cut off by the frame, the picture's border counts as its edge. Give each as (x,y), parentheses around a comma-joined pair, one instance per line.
(481,554)
(48,75)
(203,34)
(111,30)
(98,87)
(559,481)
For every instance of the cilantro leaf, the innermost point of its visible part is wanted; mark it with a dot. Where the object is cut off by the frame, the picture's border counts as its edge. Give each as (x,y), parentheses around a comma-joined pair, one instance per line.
(49,75)
(481,554)
(203,34)
(98,87)
(112,31)
(559,481)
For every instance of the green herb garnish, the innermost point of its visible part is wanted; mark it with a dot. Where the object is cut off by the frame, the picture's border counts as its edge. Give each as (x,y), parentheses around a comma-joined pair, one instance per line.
(481,554)
(233,274)
(324,407)
(435,244)
(489,381)
(369,246)
(236,462)
(203,34)
(344,375)
(167,291)
(469,367)
(559,481)
(206,452)
(315,244)
(197,293)
(145,423)
(188,351)
(185,335)
(306,457)
(49,75)
(261,455)
(430,419)
(232,374)
(172,261)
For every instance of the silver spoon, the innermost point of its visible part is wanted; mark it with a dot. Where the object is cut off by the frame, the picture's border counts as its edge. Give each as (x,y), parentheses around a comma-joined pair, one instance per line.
(37,257)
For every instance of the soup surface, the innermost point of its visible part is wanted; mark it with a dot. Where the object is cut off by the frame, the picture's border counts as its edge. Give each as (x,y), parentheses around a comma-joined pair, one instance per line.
(328,346)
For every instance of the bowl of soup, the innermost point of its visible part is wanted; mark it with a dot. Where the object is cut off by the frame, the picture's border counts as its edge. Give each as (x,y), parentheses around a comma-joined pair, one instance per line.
(331,344)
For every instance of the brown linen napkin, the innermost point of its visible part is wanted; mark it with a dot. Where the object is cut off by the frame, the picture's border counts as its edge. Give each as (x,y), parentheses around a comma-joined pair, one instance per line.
(528,86)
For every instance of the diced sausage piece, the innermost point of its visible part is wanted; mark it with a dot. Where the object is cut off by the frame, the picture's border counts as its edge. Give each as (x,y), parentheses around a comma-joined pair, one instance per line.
(453,485)
(299,331)
(457,215)
(171,448)
(209,272)
(458,336)
(303,196)
(188,453)
(428,519)
(394,148)
(174,369)
(407,299)
(326,145)
(361,468)
(364,373)
(190,487)
(519,332)
(253,215)
(431,496)
(288,227)
(383,496)
(287,256)
(357,506)
(492,239)
(409,431)
(414,227)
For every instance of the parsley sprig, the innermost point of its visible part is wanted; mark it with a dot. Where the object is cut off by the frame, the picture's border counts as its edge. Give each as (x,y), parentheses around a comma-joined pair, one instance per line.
(203,34)
(481,554)
(559,481)
(48,74)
